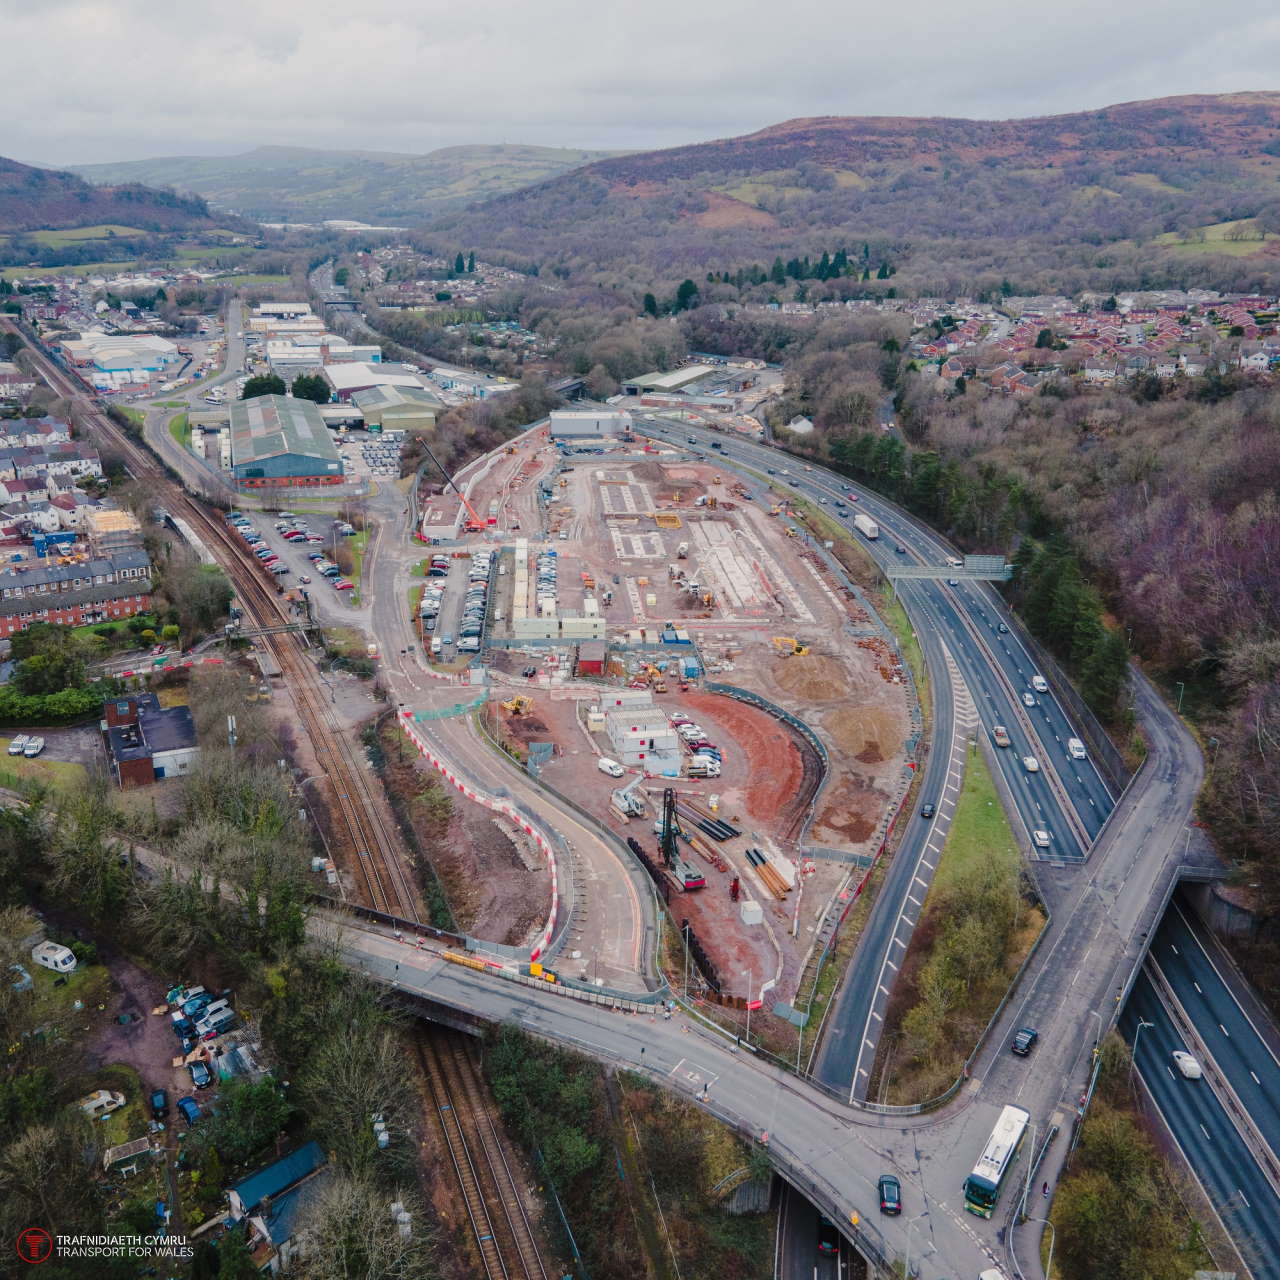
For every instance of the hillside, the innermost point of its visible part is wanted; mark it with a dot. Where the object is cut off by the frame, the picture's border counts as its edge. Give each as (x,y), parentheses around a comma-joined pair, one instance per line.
(37,199)
(946,197)
(278,184)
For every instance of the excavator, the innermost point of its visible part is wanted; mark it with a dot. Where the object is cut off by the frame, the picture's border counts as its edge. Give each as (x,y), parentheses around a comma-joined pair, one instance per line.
(788,645)
(520,705)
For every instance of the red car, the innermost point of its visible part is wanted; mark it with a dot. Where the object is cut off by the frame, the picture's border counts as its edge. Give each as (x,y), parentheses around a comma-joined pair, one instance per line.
(341,584)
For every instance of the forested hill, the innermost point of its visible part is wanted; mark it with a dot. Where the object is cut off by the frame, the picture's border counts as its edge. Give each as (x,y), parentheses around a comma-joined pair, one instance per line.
(305,184)
(940,191)
(34,199)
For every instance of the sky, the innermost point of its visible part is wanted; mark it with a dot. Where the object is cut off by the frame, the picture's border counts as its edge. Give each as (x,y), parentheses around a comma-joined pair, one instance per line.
(130,79)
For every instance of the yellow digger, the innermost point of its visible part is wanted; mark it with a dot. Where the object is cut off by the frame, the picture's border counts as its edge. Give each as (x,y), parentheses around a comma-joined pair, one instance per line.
(520,705)
(788,645)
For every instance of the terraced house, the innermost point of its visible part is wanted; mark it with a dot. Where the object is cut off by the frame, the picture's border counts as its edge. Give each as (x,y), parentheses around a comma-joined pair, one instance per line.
(81,591)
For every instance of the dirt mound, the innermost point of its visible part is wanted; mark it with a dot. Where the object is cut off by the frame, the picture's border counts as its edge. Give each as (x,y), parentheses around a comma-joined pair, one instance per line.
(868,734)
(814,678)
(852,817)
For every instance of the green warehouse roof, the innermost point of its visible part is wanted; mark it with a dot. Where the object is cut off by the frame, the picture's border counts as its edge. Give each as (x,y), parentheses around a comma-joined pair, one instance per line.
(269,426)
(388,397)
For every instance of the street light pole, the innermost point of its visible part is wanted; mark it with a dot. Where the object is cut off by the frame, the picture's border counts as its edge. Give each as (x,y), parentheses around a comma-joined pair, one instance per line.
(1053,1239)
(1097,1040)
(748,977)
(1182,688)
(1137,1035)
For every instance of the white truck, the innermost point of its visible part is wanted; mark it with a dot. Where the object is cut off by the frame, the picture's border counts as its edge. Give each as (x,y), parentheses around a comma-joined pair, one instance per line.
(866,526)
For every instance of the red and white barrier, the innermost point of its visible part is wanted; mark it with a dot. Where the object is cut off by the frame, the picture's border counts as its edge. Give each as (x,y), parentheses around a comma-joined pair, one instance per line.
(495,806)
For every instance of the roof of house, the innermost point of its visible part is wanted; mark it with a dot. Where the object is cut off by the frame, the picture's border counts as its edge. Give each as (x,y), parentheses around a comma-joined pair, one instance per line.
(288,1209)
(158,729)
(269,426)
(279,1176)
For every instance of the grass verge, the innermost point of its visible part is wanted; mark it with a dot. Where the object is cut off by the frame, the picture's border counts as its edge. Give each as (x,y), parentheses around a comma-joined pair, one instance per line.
(180,430)
(978,924)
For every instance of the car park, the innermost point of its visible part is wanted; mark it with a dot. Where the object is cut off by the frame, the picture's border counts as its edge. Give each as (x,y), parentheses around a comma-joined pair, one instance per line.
(890,1194)
(1024,1040)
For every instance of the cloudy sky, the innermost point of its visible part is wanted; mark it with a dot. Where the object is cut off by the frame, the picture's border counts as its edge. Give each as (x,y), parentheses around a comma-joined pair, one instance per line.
(129,79)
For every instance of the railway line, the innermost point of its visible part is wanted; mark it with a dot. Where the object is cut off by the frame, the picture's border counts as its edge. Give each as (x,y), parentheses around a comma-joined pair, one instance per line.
(362,831)
(492,1194)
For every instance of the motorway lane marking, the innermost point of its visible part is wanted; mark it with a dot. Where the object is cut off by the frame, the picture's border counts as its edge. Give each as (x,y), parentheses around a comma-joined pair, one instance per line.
(1206,1134)
(1224,1031)
(1243,1199)
(1255,1078)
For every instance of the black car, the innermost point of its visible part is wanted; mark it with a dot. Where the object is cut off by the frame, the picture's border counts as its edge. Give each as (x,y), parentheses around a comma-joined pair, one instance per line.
(828,1236)
(890,1194)
(159,1104)
(927,810)
(529,672)
(900,549)
(1024,1041)
(1002,629)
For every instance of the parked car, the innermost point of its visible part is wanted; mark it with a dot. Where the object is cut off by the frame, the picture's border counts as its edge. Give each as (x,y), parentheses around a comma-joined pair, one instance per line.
(201,1076)
(159,1104)
(190,1110)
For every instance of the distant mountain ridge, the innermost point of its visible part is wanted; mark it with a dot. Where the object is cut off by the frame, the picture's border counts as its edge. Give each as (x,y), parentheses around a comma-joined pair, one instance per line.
(33,199)
(304,184)
(1123,173)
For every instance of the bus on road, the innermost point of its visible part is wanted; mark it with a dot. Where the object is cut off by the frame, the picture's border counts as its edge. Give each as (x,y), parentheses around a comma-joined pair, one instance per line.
(982,1186)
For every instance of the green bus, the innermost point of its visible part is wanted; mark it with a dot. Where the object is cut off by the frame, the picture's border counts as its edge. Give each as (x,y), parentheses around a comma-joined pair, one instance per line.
(982,1187)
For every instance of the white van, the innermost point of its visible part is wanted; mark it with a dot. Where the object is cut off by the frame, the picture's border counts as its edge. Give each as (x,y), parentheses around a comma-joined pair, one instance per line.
(436,646)
(1040,684)
(1076,748)
(18,743)
(704,767)
(611,767)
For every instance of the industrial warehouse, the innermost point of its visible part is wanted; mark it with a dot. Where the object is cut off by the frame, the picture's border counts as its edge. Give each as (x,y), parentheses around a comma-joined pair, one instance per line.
(278,441)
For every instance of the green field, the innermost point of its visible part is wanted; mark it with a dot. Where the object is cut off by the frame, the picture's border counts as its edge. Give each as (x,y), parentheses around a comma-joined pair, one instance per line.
(1216,240)
(84,269)
(253,279)
(180,430)
(75,235)
(57,774)
(136,416)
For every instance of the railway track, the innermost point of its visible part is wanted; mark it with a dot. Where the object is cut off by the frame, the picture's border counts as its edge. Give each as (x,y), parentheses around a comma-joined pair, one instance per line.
(495,1204)
(370,842)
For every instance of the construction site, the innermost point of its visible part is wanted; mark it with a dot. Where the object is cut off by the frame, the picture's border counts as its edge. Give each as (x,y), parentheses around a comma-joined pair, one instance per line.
(667,648)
